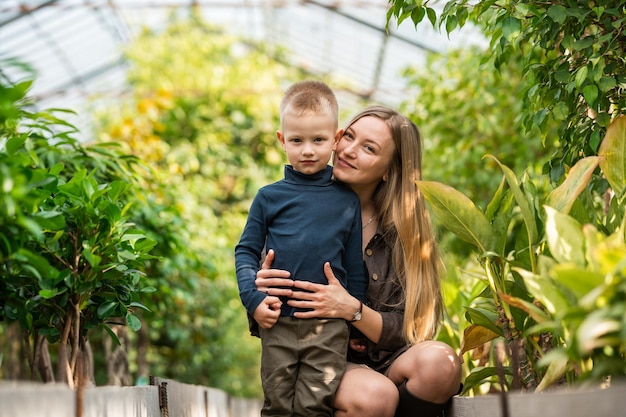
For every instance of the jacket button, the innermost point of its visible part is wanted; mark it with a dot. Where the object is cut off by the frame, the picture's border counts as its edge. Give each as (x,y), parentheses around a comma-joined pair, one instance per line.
(375,277)
(368,252)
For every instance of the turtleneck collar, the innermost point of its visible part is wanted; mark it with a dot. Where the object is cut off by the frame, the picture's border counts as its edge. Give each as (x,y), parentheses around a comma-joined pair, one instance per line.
(323,177)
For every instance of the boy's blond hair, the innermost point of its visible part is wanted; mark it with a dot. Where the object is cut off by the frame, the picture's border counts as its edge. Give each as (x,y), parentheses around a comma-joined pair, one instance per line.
(309,96)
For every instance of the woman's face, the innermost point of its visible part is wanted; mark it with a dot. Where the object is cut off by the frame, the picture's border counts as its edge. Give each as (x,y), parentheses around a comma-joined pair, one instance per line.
(363,154)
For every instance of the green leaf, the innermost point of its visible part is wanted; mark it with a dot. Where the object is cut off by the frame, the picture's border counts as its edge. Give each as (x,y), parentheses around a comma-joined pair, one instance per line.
(474,336)
(50,220)
(565,237)
(106,309)
(583,43)
(535,312)
(544,290)
(581,76)
(133,235)
(563,197)
(590,92)
(38,262)
(94,260)
(557,13)
(525,206)
(14,144)
(560,111)
(607,83)
(597,331)
(579,281)
(432,15)
(111,333)
(133,321)
(613,154)
(458,214)
(511,28)
(479,375)
(50,293)
(484,318)
(451,24)
(139,305)
(558,361)
(31,226)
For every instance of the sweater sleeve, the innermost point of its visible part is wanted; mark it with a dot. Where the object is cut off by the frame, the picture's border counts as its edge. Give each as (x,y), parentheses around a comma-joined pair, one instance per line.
(248,254)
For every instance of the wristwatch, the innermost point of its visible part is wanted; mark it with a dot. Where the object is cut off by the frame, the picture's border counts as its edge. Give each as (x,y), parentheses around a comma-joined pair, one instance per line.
(359,313)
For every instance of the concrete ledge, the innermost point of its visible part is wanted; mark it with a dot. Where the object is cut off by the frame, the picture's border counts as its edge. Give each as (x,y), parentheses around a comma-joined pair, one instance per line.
(570,402)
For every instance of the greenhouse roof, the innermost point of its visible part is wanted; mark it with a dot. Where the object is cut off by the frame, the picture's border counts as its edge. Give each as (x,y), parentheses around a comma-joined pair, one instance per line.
(75,46)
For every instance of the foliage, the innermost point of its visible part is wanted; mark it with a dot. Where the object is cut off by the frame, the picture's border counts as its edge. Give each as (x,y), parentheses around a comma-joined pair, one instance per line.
(465,110)
(71,258)
(572,60)
(553,289)
(204,119)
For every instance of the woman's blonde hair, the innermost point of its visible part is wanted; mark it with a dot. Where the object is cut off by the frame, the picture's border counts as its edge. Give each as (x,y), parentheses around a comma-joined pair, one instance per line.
(406,224)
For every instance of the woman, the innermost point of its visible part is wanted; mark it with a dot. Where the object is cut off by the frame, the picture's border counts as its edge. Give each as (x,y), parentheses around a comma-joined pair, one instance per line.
(397,370)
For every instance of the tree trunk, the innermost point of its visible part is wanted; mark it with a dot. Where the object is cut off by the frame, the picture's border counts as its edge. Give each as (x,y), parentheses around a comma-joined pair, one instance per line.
(14,363)
(116,357)
(143,344)
(44,363)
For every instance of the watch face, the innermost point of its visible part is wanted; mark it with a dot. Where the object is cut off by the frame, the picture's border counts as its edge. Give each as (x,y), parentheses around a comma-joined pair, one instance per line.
(357,316)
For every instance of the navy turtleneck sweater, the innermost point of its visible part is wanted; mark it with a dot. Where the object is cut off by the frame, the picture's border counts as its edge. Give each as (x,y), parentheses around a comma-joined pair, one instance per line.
(307,220)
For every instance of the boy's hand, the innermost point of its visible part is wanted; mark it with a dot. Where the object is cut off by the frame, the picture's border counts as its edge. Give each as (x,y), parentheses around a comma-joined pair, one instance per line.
(267,313)
(358,345)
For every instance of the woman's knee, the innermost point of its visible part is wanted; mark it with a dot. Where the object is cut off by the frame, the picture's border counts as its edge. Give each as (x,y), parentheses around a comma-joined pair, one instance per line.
(432,370)
(366,394)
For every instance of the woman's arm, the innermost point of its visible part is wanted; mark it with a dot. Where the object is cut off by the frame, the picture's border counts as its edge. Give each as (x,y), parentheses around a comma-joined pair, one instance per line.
(334,301)
(330,301)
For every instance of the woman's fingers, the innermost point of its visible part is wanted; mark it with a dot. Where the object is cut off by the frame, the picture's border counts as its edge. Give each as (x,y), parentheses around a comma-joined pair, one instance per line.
(330,275)
(272,273)
(274,286)
(269,258)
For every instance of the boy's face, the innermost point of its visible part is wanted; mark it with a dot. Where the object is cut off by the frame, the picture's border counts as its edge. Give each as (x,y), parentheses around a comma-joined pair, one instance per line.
(309,140)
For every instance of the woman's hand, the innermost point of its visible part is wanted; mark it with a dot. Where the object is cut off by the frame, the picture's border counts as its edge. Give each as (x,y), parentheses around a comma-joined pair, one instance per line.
(268,279)
(324,301)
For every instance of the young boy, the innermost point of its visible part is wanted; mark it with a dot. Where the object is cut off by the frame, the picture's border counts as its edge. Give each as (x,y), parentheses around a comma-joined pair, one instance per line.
(307,219)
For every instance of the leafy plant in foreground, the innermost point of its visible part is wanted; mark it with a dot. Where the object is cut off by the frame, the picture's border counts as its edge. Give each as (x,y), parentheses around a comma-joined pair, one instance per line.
(70,257)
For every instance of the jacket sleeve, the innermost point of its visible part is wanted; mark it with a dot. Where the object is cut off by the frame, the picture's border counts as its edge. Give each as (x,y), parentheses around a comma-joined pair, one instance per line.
(391,338)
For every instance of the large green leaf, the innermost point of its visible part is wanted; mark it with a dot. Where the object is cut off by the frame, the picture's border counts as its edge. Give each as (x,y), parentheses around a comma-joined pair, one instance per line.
(484,318)
(580,281)
(565,237)
(458,214)
(475,336)
(526,207)
(544,290)
(563,197)
(613,154)
(558,360)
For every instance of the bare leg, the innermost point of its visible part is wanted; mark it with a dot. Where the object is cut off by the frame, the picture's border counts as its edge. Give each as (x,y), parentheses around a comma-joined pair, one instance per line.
(364,392)
(432,371)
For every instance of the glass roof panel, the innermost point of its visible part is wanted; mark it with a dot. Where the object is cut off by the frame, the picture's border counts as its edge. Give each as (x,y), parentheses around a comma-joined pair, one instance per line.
(75,45)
